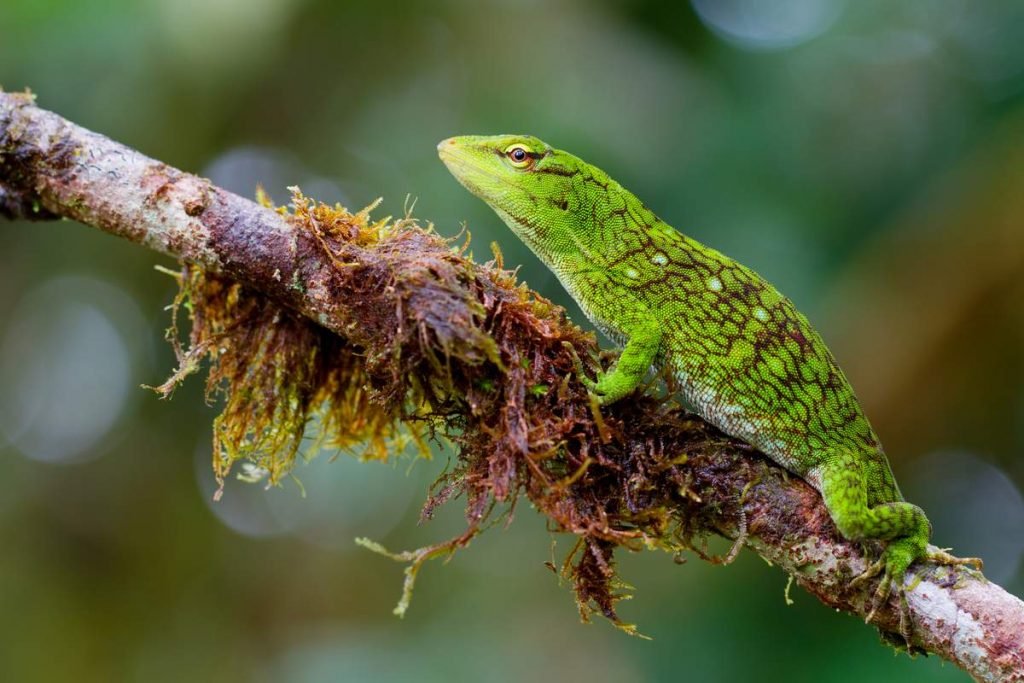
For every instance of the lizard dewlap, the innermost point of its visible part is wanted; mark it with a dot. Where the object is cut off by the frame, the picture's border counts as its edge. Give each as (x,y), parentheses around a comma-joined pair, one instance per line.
(745,358)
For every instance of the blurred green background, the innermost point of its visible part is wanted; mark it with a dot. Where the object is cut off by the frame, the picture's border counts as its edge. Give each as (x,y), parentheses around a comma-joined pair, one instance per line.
(867,157)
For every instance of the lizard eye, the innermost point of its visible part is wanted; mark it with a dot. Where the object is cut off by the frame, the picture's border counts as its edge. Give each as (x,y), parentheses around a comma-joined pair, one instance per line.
(519,156)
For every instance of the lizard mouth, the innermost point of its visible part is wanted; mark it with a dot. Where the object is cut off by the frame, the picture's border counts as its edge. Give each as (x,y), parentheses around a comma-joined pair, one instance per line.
(466,168)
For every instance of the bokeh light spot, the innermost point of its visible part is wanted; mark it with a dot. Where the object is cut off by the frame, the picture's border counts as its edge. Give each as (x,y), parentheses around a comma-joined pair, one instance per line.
(755,24)
(65,368)
(241,169)
(974,507)
(328,503)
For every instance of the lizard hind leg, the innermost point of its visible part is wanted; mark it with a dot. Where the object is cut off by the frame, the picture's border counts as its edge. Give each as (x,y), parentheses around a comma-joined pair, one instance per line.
(902,526)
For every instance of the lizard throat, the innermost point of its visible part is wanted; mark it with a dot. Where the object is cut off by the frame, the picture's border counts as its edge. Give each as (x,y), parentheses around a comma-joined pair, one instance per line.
(555,246)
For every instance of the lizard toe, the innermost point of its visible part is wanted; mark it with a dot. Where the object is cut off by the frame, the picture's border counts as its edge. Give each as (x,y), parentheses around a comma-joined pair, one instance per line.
(942,556)
(873,570)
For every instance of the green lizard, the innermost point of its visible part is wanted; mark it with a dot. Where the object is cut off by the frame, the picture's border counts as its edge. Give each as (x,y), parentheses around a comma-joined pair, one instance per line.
(745,358)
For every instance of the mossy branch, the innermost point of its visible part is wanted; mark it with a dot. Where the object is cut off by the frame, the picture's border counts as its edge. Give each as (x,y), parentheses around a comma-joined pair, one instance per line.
(384,331)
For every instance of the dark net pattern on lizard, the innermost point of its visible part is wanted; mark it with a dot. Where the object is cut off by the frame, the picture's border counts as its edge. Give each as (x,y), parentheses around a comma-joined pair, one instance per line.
(744,356)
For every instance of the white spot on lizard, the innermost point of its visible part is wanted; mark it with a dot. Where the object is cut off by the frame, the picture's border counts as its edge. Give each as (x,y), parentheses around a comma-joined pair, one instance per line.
(659,259)
(715,285)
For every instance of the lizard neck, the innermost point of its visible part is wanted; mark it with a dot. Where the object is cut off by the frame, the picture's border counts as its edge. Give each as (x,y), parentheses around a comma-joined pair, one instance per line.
(555,243)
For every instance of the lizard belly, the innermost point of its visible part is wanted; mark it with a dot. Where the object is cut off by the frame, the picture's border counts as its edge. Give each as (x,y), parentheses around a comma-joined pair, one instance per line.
(734,418)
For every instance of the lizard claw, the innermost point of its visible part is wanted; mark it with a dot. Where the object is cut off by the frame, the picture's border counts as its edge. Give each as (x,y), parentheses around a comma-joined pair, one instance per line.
(871,572)
(880,597)
(578,368)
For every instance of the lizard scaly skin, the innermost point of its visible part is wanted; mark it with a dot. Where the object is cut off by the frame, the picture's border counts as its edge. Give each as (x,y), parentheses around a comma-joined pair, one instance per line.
(745,358)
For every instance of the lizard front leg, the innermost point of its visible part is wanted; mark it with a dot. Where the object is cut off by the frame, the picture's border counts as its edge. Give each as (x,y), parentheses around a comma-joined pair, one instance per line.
(639,354)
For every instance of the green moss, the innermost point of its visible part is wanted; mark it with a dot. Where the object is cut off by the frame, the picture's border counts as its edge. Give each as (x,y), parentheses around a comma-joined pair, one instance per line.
(275,372)
(440,347)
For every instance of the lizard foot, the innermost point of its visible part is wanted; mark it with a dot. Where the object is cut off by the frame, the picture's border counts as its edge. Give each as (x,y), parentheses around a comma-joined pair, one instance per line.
(886,587)
(892,565)
(581,373)
(881,594)
(577,365)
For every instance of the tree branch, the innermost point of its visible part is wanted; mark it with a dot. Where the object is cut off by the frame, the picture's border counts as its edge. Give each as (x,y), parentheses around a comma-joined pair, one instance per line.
(647,475)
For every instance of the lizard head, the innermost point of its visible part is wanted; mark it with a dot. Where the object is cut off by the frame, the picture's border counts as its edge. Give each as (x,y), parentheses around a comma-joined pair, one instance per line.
(527,183)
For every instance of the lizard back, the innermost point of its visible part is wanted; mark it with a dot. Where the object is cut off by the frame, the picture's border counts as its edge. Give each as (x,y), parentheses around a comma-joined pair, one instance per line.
(746,359)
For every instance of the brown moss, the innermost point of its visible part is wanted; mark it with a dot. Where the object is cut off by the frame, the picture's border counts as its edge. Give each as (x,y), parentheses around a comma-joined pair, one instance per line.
(442,347)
